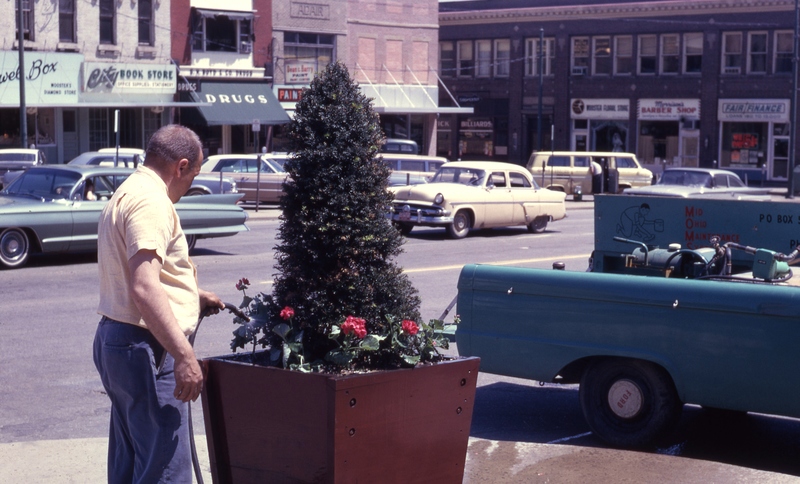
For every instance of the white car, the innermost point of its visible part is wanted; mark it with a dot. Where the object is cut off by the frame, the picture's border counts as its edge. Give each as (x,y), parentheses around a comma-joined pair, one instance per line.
(14,160)
(702,182)
(266,186)
(477,194)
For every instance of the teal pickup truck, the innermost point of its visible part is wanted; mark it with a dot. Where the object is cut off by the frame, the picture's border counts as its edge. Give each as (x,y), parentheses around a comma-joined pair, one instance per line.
(652,325)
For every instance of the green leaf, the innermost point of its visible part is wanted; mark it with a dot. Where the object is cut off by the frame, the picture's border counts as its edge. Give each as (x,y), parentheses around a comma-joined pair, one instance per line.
(335,332)
(282,330)
(285,355)
(339,357)
(411,360)
(245,302)
(371,342)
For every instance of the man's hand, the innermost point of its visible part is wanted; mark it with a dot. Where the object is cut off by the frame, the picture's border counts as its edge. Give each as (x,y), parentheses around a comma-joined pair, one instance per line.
(188,379)
(210,303)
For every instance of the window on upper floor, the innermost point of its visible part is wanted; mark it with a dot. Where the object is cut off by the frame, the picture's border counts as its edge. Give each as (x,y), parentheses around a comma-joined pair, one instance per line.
(214,31)
(670,54)
(648,54)
(447,59)
(692,53)
(145,22)
(784,52)
(623,55)
(483,58)
(466,59)
(757,53)
(302,50)
(107,19)
(66,21)
(27,19)
(601,58)
(580,56)
(502,54)
(732,53)
(532,56)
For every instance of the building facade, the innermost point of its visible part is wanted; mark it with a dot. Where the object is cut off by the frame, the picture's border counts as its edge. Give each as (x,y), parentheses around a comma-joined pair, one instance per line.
(222,51)
(678,82)
(390,48)
(95,73)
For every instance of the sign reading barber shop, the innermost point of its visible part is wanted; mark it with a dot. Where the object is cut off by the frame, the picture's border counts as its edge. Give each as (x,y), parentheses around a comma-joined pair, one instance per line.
(118,78)
(50,77)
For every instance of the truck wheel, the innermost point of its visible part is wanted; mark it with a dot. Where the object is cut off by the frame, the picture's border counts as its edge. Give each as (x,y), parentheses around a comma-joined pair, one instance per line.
(14,248)
(628,403)
(538,225)
(460,226)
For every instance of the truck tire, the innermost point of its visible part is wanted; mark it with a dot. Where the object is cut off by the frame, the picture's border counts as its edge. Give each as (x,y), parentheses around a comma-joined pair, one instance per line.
(460,226)
(628,403)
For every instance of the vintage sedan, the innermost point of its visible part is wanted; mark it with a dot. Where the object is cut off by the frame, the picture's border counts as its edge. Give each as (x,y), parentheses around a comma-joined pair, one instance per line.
(700,182)
(48,209)
(477,194)
(255,175)
(14,160)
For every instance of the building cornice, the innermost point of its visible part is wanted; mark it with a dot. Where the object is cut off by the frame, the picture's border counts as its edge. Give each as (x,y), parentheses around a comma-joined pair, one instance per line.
(614,10)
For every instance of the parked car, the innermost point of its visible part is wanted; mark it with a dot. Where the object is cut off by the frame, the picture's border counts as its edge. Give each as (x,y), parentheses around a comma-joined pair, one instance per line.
(477,194)
(690,182)
(397,178)
(244,170)
(416,165)
(395,145)
(18,159)
(46,210)
(569,171)
(203,184)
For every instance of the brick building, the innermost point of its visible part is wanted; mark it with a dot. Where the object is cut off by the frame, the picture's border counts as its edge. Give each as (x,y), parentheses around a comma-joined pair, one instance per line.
(678,82)
(390,48)
(82,62)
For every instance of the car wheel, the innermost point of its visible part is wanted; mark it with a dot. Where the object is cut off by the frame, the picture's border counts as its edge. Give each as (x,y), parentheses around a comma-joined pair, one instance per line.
(191,241)
(538,225)
(14,248)
(404,228)
(194,192)
(460,226)
(628,403)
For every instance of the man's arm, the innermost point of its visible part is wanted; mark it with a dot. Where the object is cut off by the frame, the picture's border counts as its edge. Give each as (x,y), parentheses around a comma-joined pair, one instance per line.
(153,304)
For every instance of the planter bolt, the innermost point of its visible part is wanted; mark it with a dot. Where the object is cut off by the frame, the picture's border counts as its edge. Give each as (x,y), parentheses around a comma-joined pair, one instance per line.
(352,432)
(463,381)
(458,411)
(352,402)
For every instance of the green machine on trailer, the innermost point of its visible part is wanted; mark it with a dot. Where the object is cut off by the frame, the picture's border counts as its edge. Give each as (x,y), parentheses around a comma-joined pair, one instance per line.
(674,309)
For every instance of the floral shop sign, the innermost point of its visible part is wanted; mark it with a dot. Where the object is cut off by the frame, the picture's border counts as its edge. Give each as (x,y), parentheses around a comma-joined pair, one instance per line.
(51,78)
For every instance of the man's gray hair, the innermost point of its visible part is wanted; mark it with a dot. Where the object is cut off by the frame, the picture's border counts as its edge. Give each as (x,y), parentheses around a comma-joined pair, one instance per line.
(172,143)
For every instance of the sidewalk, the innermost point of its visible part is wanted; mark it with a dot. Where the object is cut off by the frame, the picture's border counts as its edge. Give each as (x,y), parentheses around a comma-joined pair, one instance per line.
(497,462)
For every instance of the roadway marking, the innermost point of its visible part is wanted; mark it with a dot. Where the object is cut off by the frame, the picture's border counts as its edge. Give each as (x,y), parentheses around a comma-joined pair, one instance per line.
(558,441)
(501,263)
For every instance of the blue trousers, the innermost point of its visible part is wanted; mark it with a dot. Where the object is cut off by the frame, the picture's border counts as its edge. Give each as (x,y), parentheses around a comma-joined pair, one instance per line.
(149,434)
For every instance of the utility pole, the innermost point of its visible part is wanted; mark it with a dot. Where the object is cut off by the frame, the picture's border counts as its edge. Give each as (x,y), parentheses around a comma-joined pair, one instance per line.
(793,121)
(23,112)
(540,61)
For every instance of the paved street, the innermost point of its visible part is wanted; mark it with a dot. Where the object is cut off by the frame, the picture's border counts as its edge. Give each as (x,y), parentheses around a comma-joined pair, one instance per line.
(54,416)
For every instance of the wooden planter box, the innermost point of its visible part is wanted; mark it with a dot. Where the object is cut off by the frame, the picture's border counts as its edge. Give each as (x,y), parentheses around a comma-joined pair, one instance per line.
(273,425)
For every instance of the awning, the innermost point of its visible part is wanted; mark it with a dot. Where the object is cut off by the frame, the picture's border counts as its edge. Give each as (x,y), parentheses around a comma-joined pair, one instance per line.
(236,103)
(231,14)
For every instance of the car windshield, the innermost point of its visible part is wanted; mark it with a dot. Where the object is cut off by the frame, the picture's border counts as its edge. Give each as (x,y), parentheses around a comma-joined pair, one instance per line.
(461,175)
(685,178)
(46,184)
(17,157)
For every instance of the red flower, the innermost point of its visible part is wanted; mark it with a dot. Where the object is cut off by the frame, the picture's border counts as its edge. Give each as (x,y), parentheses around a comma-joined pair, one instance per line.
(410,327)
(287,313)
(242,284)
(355,325)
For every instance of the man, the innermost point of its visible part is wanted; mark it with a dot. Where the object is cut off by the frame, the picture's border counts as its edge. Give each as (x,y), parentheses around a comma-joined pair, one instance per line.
(149,303)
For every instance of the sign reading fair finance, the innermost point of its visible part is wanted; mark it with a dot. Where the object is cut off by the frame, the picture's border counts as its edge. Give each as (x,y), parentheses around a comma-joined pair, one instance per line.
(51,78)
(118,78)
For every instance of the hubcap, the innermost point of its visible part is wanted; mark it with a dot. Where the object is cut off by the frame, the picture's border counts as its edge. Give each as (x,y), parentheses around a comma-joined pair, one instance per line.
(625,399)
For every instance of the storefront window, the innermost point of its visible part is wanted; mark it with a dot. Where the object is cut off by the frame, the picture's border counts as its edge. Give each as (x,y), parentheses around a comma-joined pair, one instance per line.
(744,145)
(609,135)
(305,54)
(658,142)
(475,138)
